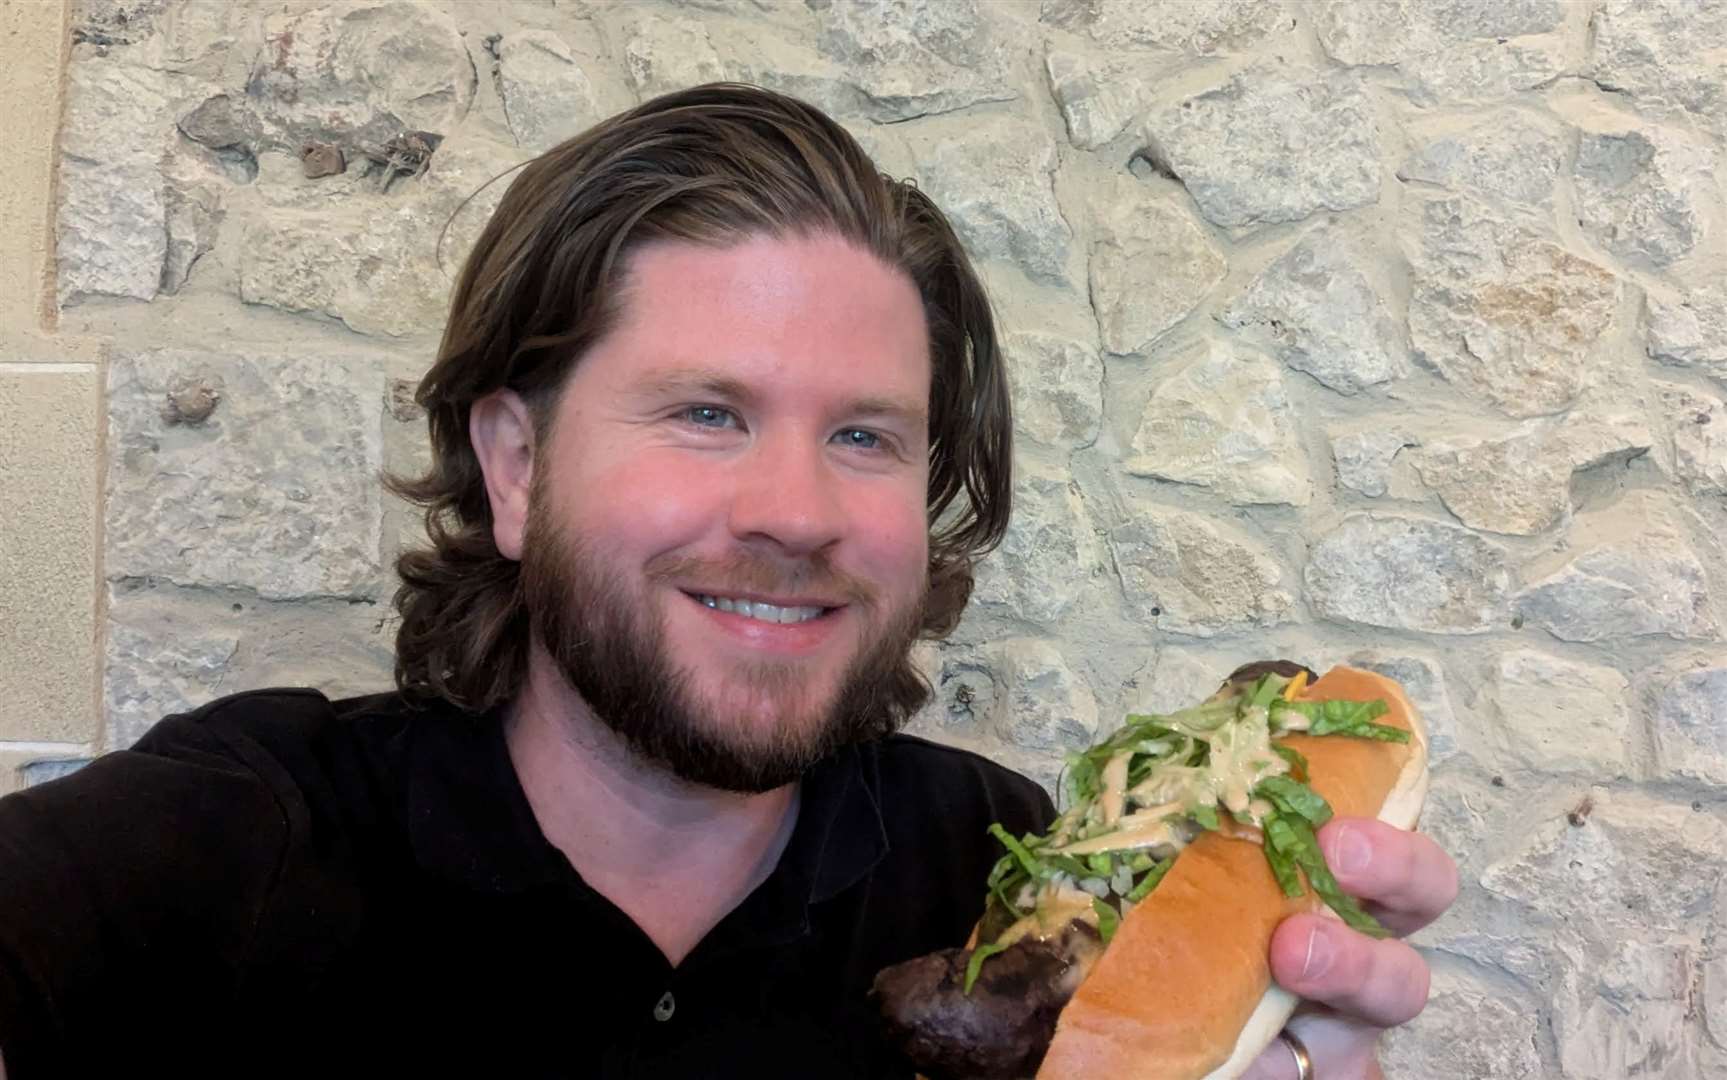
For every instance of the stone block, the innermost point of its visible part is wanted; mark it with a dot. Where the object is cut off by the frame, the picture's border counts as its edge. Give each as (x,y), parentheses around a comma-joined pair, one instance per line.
(1509,318)
(1554,715)
(547,94)
(1271,147)
(1048,556)
(1151,264)
(1363,458)
(1043,704)
(1643,194)
(1191,574)
(1504,157)
(1210,28)
(255,472)
(1690,330)
(994,178)
(1689,724)
(1647,50)
(171,649)
(1221,419)
(112,214)
(1057,388)
(1317,310)
(1409,574)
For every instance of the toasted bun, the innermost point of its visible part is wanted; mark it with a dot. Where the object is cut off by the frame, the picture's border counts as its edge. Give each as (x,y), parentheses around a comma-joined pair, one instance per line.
(1184,991)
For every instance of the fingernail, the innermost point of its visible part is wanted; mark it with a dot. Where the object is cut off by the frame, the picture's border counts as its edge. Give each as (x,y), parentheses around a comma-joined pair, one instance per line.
(1350,852)
(1319,954)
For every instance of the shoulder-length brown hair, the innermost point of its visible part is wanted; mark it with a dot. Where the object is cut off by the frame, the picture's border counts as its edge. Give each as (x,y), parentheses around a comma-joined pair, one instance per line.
(710,165)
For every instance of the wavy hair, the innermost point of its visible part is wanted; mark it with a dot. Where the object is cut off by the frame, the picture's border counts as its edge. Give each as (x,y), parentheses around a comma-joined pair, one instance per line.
(711,165)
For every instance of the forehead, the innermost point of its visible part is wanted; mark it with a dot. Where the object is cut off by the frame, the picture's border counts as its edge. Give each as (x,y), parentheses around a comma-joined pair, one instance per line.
(812,312)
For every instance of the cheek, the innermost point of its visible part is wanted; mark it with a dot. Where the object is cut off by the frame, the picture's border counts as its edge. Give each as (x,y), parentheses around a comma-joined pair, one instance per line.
(893,537)
(647,504)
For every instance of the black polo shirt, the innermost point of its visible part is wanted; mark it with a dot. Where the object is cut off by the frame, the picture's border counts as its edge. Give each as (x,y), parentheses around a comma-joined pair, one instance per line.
(279,884)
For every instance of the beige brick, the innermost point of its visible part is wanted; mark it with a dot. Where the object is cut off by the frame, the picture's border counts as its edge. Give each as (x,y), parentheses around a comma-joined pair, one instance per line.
(48,457)
(32,66)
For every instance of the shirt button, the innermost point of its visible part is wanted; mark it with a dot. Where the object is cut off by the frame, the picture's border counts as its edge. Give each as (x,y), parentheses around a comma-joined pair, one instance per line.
(664,1007)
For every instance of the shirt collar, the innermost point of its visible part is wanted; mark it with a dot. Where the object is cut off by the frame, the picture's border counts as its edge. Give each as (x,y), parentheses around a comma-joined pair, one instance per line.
(470,821)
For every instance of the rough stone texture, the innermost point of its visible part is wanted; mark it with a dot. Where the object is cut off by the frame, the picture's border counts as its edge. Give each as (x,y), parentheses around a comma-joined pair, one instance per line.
(912,58)
(193,196)
(1190,574)
(1221,419)
(1690,330)
(1505,157)
(1699,437)
(358,74)
(1652,584)
(1507,317)
(113,230)
(1449,52)
(171,649)
(1519,484)
(547,95)
(1045,706)
(383,273)
(1363,459)
(1554,715)
(1482,1035)
(1097,102)
(1057,389)
(1637,867)
(1409,574)
(1199,29)
(238,480)
(1690,726)
(1151,265)
(1632,886)
(663,55)
(995,179)
(1317,310)
(1048,555)
(1648,51)
(1267,147)
(1640,194)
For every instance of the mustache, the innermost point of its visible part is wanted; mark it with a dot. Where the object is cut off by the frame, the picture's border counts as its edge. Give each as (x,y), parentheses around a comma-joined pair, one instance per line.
(747,572)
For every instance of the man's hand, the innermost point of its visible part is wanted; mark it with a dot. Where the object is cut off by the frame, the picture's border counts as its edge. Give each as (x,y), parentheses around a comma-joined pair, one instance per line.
(1357,986)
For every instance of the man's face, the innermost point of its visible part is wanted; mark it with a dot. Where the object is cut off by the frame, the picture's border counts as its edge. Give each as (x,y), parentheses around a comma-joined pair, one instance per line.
(727,548)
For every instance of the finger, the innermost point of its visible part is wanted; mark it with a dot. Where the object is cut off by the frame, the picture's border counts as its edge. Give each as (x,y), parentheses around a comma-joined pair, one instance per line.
(1408,877)
(1383,982)
(1337,1046)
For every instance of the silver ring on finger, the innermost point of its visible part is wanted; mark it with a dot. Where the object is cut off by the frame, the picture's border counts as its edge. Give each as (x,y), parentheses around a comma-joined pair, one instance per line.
(1303,1060)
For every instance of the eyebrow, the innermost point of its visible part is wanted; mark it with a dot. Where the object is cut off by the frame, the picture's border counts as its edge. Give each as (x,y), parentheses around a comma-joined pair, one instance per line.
(706,382)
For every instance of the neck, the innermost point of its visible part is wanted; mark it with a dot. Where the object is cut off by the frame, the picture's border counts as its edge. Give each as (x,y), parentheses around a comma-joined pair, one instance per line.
(646,839)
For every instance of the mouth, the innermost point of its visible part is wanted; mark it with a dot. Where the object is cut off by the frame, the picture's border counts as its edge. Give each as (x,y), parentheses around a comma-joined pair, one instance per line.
(788,611)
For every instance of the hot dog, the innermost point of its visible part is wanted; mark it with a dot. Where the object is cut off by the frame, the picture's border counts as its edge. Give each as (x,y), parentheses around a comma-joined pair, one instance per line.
(1132,938)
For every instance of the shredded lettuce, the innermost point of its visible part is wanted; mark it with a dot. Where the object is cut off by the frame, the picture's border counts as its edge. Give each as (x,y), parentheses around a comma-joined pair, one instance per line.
(1182,740)
(975,964)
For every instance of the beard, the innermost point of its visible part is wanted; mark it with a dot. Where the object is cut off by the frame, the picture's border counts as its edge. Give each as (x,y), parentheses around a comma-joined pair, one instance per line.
(610,647)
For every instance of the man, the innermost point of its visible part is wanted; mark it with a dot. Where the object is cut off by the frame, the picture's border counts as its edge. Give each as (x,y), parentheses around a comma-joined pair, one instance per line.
(719,428)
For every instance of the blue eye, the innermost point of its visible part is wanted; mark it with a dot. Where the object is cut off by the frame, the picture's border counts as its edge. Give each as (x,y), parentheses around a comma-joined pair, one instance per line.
(859,439)
(708,416)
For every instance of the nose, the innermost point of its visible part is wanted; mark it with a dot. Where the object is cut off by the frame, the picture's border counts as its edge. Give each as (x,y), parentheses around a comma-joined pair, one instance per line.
(787,495)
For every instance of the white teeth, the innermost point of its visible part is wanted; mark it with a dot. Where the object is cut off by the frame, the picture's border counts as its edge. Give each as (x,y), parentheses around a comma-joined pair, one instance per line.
(764,612)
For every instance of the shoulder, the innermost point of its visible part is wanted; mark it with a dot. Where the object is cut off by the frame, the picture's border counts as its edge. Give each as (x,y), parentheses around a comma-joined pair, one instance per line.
(961,783)
(938,802)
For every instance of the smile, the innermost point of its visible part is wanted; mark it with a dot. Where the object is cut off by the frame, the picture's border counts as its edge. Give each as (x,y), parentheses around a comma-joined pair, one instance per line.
(769,613)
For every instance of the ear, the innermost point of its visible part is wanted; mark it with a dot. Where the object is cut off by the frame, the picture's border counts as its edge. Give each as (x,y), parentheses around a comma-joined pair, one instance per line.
(502,433)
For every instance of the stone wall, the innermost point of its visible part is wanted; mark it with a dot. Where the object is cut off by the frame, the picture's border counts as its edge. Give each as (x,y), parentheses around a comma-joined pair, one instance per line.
(1392,333)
